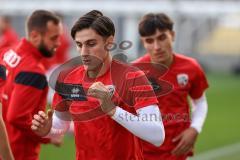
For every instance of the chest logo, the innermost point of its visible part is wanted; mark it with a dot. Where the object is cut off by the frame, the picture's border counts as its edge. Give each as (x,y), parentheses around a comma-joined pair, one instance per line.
(182,79)
(11,58)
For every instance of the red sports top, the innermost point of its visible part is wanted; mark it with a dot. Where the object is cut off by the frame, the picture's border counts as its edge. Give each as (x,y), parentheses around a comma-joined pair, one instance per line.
(24,95)
(102,138)
(188,78)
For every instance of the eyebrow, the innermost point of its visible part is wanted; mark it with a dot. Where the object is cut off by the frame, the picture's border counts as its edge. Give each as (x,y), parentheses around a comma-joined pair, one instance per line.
(162,34)
(87,41)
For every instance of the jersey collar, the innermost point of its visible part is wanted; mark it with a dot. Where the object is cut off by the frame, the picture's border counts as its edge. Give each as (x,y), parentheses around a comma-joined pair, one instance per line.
(26,45)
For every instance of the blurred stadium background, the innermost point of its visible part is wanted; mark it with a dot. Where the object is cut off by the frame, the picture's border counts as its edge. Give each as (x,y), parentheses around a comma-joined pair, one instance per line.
(206,30)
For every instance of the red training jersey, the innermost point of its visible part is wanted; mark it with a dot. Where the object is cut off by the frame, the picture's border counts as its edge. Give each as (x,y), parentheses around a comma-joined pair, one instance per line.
(188,79)
(103,138)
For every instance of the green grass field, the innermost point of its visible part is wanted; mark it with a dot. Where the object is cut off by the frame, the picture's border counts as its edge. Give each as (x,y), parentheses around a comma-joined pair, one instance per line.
(221,128)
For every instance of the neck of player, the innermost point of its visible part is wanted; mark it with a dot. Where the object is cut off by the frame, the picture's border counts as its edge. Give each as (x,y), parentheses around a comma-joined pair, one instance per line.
(167,62)
(101,69)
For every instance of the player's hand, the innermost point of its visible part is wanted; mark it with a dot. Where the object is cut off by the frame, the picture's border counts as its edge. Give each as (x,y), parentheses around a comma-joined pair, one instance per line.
(42,123)
(57,140)
(186,142)
(101,92)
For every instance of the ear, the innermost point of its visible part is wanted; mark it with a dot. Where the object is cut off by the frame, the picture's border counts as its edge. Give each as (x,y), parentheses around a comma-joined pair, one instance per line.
(33,34)
(173,35)
(34,37)
(142,39)
(109,42)
(110,39)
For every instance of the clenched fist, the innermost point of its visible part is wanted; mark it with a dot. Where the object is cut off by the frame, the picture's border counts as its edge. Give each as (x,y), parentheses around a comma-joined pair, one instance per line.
(100,91)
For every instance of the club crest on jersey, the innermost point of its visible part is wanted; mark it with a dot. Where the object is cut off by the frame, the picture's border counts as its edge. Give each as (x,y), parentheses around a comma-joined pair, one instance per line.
(182,79)
(111,89)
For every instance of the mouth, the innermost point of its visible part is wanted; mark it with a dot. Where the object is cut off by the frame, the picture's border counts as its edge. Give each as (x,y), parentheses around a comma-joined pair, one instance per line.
(86,61)
(159,54)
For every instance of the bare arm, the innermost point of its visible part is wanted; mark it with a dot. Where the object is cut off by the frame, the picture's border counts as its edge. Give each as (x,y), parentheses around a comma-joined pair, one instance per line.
(5,150)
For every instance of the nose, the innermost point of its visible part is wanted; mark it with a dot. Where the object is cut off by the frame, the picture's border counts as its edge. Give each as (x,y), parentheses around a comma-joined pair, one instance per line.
(84,51)
(157,45)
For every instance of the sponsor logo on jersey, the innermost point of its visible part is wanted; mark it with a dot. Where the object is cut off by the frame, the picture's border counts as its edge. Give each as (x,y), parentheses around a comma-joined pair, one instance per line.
(75,90)
(11,58)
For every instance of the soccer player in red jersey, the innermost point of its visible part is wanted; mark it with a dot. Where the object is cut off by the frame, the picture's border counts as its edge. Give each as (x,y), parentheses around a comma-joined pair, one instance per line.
(5,151)
(25,91)
(116,134)
(8,37)
(188,79)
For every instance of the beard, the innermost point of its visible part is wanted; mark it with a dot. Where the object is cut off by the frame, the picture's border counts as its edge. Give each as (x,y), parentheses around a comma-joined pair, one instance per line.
(44,51)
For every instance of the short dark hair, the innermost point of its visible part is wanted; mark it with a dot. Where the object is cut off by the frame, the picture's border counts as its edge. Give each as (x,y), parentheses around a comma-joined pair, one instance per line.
(96,21)
(38,20)
(151,22)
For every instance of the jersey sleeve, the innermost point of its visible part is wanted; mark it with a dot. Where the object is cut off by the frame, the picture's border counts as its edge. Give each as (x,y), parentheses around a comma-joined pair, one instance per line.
(56,99)
(60,103)
(141,91)
(29,89)
(199,83)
